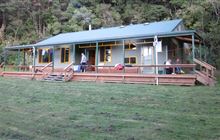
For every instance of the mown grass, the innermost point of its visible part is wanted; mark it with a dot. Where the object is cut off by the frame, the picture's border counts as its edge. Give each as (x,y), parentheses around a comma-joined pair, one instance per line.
(96,111)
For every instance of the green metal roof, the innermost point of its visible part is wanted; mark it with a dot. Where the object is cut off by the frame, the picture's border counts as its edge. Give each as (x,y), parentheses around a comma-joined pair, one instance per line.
(121,32)
(147,30)
(19,47)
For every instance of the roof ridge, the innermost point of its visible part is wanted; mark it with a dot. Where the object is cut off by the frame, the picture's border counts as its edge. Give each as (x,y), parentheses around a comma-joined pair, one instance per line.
(180,20)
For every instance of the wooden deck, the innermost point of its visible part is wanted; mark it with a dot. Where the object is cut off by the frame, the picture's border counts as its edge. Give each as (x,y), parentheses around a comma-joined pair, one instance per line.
(22,75)
(130,74)
(171,79)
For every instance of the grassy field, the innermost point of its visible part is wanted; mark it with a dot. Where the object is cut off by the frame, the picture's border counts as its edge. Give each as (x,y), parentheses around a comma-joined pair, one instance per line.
(96,111)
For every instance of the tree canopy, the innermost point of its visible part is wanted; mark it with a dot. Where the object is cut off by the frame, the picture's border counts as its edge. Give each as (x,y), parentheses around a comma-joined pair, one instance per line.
(27,21)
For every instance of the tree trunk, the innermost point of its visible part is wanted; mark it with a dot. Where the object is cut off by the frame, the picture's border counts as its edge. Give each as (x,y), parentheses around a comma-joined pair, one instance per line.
(2,29)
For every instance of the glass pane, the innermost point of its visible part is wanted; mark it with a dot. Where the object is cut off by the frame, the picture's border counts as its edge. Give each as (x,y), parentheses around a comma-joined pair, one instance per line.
(126,60)
(132,46)
(108,54)
(40,56)
(127,46)
(102,50)
(50,52)
(62,55)
(132,60)
(45,55)
(67,55)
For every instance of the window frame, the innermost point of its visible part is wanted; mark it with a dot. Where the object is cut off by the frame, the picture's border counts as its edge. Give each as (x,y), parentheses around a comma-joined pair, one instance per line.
(129,60)
(110,47)
(129,47)
(40,56)
(64,60)
(105,55)
(102,54)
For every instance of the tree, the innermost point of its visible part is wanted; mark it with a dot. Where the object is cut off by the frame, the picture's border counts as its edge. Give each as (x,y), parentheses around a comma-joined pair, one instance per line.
(26,21)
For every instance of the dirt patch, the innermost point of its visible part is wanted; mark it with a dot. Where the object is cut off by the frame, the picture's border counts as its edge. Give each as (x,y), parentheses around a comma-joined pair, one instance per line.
(15,135)
(138,117)
(106,114)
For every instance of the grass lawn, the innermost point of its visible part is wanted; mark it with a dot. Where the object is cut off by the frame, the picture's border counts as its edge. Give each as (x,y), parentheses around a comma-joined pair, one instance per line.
(98,111)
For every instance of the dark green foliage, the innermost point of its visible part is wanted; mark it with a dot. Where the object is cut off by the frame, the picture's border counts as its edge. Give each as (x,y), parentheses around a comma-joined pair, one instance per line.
(28,21)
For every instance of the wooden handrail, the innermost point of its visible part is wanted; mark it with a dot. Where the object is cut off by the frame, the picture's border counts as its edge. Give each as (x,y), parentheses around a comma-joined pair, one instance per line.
(1,67)
(46,66)
(67,67)
(66,71)
(2,64)
(209,69)
(163,66)
(204,64)
(45,73)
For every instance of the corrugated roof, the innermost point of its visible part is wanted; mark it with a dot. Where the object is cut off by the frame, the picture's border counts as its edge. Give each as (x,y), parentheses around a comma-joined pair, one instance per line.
(147,29)
(20,46)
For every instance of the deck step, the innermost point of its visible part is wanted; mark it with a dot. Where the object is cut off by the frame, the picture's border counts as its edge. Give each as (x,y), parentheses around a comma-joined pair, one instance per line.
(54,78)
(203,79)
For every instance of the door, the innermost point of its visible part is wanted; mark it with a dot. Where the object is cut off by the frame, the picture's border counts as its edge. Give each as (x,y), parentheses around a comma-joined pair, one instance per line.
(147,59)
(91,59)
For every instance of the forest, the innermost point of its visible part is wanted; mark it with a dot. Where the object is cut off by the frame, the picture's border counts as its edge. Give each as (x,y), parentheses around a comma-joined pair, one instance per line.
(29,21)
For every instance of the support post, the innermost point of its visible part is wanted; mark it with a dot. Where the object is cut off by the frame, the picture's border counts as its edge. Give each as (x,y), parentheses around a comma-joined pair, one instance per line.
(193,49)
(74,53)
(200,51)
(24,57)
(34,57)
(96,54)
(123,55)
(53,59)
(5,58)
(166,52)
(205,53)
(155,58)
(18,61)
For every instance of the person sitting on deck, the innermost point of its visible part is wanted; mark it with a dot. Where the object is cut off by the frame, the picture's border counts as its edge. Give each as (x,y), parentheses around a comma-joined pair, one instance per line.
(178,69)
(169,70)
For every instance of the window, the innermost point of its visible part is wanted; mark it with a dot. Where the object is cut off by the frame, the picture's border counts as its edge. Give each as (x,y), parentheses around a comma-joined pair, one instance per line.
(102,55)
(130,60)
(65,54)
(126,60)
(105,54)
(108,54)
(130,46)
(45,55)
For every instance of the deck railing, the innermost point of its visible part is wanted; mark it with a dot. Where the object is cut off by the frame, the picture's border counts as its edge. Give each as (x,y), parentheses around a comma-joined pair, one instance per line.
(44,71)
(15,68)
(143,69)
(1,68)
(2,64)
(206,68)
